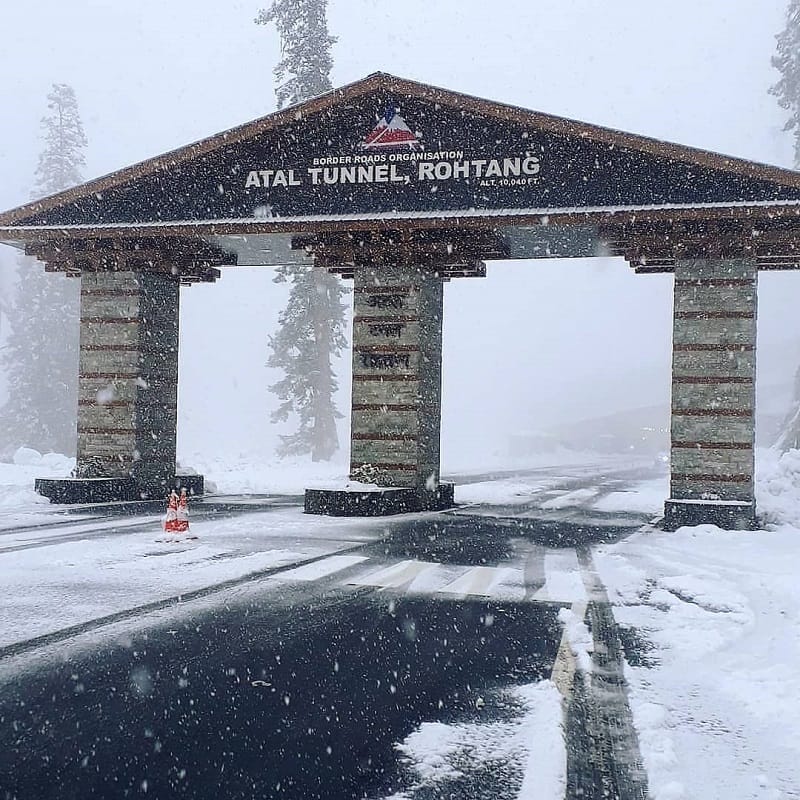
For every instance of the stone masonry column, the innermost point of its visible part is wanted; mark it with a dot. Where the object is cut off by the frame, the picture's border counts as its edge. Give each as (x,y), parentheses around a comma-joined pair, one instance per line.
(127,405)
(713,394)
(397,371)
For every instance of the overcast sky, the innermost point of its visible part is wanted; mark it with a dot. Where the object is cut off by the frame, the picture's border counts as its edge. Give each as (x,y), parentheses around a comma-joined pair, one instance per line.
(535,341)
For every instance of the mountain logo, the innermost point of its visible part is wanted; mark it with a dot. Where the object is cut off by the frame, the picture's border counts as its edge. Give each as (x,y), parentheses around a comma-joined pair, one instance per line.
(391,132)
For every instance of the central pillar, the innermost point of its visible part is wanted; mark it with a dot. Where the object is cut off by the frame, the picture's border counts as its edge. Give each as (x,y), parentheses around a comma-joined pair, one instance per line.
(713,394)
(396,409)
(397,377)
(396,400)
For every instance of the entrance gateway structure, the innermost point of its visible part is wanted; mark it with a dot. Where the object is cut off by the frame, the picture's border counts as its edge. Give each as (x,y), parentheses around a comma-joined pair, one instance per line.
(401,187)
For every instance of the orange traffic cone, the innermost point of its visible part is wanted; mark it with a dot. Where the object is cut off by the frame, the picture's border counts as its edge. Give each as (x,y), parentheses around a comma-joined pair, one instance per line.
(182,522)
(171,520)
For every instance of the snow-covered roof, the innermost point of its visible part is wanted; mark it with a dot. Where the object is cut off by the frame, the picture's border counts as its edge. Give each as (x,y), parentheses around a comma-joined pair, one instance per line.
(476,158)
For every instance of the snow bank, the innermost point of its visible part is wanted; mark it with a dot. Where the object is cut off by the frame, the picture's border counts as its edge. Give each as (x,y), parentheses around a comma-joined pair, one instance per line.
(778,487)
(716,699)
(27,457)
(16,480)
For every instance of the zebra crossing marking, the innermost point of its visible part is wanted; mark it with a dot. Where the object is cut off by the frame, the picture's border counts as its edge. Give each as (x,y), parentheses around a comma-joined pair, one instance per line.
(478,581)
(563,581)
(321,569)
(395,575)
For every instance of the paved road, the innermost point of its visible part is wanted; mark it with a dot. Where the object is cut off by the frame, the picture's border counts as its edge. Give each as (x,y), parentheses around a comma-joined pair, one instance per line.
(301,684)
(291,697)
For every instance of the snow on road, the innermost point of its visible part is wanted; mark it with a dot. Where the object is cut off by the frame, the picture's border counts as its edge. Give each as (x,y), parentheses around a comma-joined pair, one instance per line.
(541,485)
(646,497)
(438,753)
(501,492)
(67,583)
(58,577)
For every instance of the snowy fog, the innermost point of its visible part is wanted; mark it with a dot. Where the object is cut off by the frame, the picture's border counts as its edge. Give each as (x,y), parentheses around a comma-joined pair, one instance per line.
(533,346)
(555,426)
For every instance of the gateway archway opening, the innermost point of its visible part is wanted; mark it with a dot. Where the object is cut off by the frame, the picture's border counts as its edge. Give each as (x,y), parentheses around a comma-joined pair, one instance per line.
(224,399)
(538,346)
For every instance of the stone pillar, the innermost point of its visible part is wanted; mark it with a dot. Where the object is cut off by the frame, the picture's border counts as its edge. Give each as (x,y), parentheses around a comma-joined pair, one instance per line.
(397,376)
(127,415)
(713,394)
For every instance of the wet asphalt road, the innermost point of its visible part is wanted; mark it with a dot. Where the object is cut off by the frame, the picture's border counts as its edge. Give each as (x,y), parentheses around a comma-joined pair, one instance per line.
(295,696)
(298,693)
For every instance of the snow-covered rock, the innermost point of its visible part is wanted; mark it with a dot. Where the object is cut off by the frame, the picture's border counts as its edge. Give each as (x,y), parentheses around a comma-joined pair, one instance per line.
(778,488)
(27,457)
(58,463)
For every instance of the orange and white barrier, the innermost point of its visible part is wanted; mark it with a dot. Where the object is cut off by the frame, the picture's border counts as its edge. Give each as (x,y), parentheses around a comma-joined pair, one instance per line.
(182,521)
(170,521)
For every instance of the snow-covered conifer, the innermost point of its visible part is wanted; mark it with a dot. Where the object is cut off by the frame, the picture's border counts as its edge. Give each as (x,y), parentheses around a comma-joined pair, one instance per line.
(311,332)
(41,352)
(787,61)
(305,66)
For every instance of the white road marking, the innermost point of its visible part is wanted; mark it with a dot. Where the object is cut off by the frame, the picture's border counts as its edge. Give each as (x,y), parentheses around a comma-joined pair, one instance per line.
(510,586)
(477,581)
(395,575)
(563,579)
(320,569)
(573,498)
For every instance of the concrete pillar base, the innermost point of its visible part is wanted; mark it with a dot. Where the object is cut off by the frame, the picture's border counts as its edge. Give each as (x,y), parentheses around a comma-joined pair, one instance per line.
(380,502)
(731,515)
(109,490)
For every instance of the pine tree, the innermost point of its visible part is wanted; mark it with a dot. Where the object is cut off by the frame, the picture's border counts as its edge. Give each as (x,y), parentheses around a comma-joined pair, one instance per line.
(305,66)
(41,354)
(787,61)
(312,325)
(309,332)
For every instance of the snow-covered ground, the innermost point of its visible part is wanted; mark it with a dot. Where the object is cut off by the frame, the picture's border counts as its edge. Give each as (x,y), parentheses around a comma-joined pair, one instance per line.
(90,575)
(716,702)
(437,752)
(716,698)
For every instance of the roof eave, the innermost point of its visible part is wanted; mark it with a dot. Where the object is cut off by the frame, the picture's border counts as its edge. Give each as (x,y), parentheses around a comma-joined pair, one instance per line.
(760,212)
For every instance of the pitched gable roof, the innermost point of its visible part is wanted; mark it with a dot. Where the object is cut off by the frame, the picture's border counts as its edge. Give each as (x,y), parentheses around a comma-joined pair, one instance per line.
(575,166)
